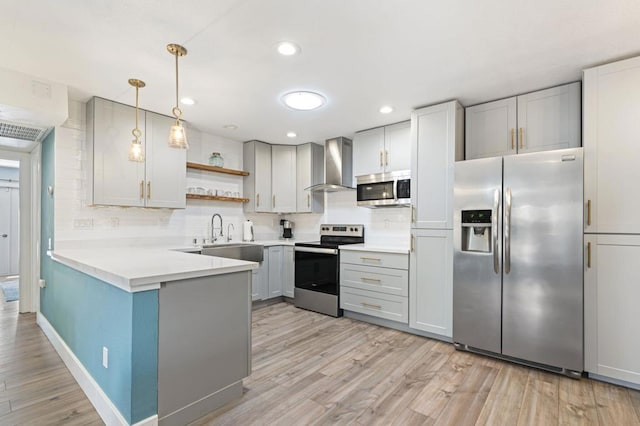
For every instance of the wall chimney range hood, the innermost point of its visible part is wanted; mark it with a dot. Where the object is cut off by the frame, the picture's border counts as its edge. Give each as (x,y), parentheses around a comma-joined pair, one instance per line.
(338,154)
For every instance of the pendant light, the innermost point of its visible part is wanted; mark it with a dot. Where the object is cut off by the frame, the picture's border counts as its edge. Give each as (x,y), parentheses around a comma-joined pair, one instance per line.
(177,135)
(136,152)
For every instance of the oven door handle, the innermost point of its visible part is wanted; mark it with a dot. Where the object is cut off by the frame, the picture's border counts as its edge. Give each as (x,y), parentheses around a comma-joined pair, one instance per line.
(316,250)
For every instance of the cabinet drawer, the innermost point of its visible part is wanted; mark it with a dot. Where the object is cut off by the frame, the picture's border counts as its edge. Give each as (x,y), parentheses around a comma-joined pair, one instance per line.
(370,258)
(387,306)
(382,280)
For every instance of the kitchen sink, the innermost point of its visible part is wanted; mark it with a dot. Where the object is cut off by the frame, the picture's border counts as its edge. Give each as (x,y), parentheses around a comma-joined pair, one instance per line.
(240,251)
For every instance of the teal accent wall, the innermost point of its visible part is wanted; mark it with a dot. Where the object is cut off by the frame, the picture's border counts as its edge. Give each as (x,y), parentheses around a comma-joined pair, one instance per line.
(89,314)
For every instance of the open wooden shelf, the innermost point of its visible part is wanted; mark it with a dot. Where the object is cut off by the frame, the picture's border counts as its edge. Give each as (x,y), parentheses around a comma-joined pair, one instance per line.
(216,198)
(198,166)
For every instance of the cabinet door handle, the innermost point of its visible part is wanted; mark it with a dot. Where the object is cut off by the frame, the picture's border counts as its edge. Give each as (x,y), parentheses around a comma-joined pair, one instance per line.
(274,201)
(371,279)
(589,255)
(588,212)
(257,200)
(372,259)
(386,158)
(308,200)
(513,143)
(371,305)
(149,190)
(412,245)
(413,210)
(380,158)
(521,137)
(142,190)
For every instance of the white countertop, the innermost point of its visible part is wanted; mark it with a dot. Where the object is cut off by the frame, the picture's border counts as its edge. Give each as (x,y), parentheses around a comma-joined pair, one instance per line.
(378,248)
(138,269)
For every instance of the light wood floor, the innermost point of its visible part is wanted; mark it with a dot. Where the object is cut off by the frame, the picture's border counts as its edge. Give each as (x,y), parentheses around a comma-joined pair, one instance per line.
(313,369)
(35,386)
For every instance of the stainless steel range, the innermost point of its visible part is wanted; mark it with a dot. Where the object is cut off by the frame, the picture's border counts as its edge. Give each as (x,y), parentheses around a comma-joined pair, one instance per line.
(317,268)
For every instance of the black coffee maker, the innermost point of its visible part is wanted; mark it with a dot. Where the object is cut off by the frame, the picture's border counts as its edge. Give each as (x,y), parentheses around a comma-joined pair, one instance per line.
(287,228)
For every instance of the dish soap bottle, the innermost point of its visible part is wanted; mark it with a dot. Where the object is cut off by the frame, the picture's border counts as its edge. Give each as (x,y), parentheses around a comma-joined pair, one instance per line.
(216,159)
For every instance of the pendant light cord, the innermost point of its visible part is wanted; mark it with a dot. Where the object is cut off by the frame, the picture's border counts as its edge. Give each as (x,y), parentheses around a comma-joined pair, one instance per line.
(177,112)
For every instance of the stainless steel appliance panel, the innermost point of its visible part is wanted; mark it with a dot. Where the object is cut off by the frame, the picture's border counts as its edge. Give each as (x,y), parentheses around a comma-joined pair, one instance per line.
(477,275)
(543,275)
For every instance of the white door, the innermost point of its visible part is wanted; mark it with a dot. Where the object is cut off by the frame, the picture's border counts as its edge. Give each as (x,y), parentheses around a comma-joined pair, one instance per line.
(491,129)
(116,181)
(431,282)
(5,231)
(14,244)
(397,144)
(368,152)
(288,271)
(262,177)
(275,272)
(283,172)
(436,145)
(166,167)
(549,119)
(611,129)
(612,291)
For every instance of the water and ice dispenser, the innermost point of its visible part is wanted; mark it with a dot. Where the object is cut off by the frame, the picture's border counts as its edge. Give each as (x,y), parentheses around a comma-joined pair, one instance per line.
(476,230)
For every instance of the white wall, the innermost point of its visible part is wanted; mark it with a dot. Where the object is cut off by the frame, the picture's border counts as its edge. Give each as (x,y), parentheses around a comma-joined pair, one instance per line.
(76,221)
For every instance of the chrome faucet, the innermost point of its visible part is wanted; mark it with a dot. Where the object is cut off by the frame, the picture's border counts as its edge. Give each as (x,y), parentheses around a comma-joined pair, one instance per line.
(229,236)
(214,236)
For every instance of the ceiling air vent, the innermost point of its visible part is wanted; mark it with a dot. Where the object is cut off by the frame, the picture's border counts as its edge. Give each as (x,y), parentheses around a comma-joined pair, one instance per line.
(22,132)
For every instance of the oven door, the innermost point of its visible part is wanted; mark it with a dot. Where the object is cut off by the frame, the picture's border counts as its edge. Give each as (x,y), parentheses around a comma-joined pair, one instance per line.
(316,269)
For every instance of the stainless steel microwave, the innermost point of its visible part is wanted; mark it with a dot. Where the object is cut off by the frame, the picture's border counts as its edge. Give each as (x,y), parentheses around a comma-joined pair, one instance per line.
(384,189)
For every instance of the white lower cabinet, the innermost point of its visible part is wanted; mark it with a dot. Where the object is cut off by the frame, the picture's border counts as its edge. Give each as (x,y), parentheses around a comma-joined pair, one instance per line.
(275,272)
(431,281)
(379,291)
(288,271)
(611,295)
(260,283)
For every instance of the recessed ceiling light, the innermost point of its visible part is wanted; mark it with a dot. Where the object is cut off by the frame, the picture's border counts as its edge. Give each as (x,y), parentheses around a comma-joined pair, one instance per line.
(292,134)
(304,101)
(386,109)
(230,126)
(288,48)
(187,101)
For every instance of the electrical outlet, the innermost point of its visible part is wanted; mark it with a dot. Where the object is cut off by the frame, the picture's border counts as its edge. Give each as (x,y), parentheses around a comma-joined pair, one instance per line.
(83,224)
(114,222)
(42,283)
(105,357)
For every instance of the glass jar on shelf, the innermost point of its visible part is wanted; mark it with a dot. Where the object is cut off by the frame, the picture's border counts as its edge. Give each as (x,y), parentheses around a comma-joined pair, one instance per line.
(216,159)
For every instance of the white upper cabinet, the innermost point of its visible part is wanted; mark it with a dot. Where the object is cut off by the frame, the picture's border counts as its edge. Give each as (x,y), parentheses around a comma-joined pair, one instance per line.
(611,153)
(112,179)
(283,172)
(538,121)
(310,171)
(437,143)
(257,186)
(491,129)
(383,149)
(549,119)
(368,152)
(166,174)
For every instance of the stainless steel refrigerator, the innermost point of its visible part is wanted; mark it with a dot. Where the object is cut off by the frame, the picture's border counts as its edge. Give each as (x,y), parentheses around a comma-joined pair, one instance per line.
(518,275)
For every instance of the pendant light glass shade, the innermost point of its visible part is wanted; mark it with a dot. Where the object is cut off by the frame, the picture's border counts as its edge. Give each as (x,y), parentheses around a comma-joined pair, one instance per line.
(177,134)
(136,152)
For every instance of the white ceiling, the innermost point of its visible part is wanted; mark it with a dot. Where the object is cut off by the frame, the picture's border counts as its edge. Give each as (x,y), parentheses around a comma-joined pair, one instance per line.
(361,54)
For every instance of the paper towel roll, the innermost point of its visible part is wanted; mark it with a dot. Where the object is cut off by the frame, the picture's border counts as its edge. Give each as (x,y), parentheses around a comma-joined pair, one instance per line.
(247,231)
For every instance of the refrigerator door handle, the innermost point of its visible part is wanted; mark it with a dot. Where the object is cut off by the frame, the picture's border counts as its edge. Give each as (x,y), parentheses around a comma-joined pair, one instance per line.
(507,231)
(494,227)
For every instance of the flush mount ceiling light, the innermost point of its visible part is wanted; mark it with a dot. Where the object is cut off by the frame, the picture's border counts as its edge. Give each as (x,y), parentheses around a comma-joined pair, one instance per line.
(291,134)
(304,101)
(177,134)
(136,153)
(287,48)
(386,109)
(187,101)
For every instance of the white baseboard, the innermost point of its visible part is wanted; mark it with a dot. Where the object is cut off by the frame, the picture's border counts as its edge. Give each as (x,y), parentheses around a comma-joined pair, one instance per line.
(101,402)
